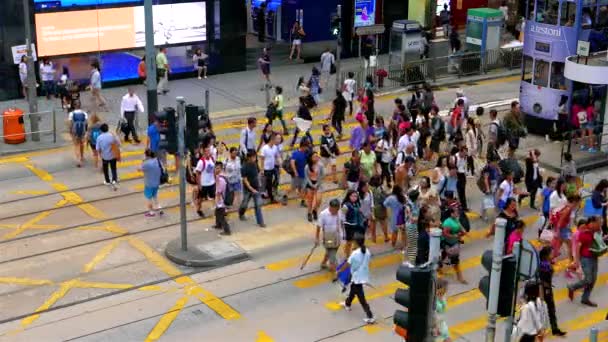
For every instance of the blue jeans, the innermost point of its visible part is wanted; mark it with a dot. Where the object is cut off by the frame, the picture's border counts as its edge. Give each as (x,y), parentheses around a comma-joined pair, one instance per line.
(589,266)
(257,203)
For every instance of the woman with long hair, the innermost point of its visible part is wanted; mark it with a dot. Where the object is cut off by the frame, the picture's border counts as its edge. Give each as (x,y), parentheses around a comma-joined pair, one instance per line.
(470,139)
(314,174)
(297,34)
(383,149)
(265,136)
(396,202)
(366,198)
(199,59)
(453,232)
(353,219)
(530,324)
(358,262)
(232,167)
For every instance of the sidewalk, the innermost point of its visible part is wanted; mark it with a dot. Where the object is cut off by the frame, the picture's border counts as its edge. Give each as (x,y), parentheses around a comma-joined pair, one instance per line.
(231,96)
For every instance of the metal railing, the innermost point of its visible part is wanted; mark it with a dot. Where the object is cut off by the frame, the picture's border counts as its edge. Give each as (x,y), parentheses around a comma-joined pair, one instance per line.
(573,138)
(436,68)
(47,125)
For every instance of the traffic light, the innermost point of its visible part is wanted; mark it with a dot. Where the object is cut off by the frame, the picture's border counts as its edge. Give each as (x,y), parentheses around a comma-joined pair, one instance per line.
(415,324)
(507,283)
(192,115)
(336,26)
(168,130)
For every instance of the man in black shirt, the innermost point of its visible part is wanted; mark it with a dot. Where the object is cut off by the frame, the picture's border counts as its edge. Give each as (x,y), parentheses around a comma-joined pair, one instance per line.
(337,112)
(251,187)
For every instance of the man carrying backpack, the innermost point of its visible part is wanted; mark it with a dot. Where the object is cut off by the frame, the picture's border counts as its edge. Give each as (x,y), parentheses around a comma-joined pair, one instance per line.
(223,197)
(78,130)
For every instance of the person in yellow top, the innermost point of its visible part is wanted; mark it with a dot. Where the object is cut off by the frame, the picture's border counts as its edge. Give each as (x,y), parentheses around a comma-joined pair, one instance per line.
(278,103)
(162,72)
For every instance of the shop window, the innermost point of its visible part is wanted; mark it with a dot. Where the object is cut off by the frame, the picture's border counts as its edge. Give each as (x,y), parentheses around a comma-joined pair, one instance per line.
(558,81)
(541,73)
(527,69)
(567,13)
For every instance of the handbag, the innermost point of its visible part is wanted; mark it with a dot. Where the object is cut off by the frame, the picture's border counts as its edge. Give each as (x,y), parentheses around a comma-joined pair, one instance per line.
(453,250)
(164,176)
(332,69)
(547,235)
(116,150)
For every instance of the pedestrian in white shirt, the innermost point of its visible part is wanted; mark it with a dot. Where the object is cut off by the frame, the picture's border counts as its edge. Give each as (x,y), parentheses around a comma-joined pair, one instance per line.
(248,138)
(327,60)
(270,156)
(348,90)
(205,172)
(129,107)
(47,75)
(330,223)
(533,315)
(359,268)
(23,75)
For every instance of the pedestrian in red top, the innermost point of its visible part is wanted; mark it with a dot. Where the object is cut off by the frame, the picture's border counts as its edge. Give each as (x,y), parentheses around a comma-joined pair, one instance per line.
(516,236)
(586,261)
(456,118)
(141,70)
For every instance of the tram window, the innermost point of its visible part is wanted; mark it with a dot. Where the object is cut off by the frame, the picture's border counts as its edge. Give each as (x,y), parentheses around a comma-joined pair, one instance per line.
(546,11)
(541,73)
(567,13)
(527,70)
(602,17)
(588,16)
(558,81)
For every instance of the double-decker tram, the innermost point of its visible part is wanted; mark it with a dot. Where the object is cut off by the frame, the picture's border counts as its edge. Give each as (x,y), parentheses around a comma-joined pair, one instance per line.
(553,29)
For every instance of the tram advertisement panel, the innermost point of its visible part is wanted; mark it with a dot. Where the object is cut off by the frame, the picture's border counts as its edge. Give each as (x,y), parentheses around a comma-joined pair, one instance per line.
(554,42)
(546,47)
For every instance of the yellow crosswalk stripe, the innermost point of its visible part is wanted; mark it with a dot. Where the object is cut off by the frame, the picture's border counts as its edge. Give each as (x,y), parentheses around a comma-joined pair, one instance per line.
(479,322)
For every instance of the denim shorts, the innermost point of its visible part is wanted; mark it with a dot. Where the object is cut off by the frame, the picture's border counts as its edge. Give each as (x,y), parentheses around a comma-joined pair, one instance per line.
(150,192)
(236,187)
(565,233)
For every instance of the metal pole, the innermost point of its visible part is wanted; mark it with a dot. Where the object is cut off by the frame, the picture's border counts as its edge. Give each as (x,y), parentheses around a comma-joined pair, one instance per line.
(434,248)
(181,152)
(499,243)
(593,333)
(207,101)
(339,50)
(267,93)
(150,60)
(510,320)
(54,126)
(32,99)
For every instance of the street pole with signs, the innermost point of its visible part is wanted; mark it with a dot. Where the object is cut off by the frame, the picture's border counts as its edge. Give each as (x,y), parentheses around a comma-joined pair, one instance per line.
(338,47)
(150,60)
(31,75)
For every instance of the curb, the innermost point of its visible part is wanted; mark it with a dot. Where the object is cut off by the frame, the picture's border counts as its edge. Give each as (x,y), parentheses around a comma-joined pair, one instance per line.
(204,253)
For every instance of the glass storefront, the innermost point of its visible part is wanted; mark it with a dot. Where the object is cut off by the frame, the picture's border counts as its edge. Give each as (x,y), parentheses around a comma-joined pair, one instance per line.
(73,33)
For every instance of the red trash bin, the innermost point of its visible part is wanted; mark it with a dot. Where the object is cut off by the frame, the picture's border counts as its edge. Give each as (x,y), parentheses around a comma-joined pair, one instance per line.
(13,128)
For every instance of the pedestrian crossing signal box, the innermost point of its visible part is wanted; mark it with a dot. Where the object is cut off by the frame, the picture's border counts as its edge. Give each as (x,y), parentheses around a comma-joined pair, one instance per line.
(168,130)
(419,298)
(507,289)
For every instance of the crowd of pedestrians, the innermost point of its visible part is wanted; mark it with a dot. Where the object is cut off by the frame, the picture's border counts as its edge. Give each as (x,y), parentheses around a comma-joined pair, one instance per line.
(385,199)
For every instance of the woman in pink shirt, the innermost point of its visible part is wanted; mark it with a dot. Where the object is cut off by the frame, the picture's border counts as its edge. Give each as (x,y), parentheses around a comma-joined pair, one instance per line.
(515,236)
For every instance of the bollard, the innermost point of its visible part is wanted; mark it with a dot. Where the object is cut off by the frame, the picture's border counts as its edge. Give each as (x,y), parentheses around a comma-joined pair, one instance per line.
(207,101)
(593,334)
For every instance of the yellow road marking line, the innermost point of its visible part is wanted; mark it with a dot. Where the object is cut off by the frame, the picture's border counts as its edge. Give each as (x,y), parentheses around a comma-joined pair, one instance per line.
(108,228)
(11,160)
(263,337)
(30,192)
(56,296)
(101,255)
(324,277)
(374,328)
(28,225)
(206,297)
(24,281)
(165,322)
(42,174)
(601,337)
(586,321)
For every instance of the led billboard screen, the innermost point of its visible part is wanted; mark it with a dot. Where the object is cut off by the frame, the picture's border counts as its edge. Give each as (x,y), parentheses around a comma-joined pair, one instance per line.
(63,33)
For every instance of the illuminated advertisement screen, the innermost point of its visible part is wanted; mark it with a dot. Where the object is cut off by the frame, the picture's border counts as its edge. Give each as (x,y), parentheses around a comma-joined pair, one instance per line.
(63,33)
(365,12)
(53,4)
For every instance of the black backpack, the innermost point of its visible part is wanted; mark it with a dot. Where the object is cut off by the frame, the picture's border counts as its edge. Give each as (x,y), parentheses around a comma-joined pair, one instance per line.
(228,194)
(501,134)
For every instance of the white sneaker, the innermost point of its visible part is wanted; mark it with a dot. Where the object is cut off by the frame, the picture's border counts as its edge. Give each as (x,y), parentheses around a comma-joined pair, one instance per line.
(200,78)
(205,77)
(407,264)
(369,320)
(343,304)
